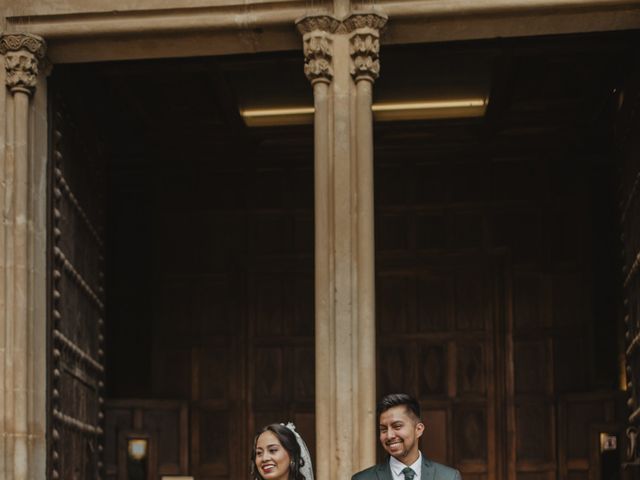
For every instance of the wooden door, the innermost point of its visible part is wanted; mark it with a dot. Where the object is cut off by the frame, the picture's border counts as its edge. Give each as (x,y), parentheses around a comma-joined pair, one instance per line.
(486,308)
(436,330)
(627,136)
(76,296)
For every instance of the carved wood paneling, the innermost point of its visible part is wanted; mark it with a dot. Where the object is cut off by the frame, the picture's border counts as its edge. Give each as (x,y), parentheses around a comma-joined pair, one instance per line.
(228,308)
(485,303)
(627,128)
(580,419)
(396,367)
(269,375)
(533,362)
(438,351)
(212,431)
(535,431)
(164,423)
(433,374)
(394,309)
(282,356)
(470,427)
(471,365)
(437,436)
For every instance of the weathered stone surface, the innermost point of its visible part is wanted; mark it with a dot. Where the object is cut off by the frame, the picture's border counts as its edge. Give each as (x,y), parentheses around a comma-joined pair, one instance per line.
(22,369)
(345,306)
(23,53)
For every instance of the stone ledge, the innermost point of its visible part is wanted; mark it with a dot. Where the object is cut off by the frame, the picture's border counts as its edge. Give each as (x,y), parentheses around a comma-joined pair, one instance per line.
(258,27)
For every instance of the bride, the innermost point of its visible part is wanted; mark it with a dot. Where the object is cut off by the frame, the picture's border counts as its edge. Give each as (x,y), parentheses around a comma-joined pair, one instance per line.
(279,453)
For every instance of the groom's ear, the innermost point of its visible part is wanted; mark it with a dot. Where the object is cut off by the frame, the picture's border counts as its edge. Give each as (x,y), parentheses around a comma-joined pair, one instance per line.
(419,429)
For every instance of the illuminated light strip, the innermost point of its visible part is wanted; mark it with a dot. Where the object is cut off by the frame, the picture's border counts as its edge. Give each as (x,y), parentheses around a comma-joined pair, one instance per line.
(433,105)
(471,107)
(276,112)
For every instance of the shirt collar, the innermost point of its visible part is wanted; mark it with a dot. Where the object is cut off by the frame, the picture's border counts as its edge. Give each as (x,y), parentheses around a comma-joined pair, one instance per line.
(397,466)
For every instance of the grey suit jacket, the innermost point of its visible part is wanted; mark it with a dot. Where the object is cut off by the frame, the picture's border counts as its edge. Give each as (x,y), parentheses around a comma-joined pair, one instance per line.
(430,471)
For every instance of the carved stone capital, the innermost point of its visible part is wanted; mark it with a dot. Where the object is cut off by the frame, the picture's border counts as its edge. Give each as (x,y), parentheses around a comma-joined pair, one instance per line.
(313,23)
(367,20)
(317,46)
(365,44)
(23,53)
(365,55)
(318,53)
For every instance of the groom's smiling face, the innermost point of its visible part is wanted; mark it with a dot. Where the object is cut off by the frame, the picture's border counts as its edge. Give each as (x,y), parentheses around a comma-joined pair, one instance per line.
(399,433)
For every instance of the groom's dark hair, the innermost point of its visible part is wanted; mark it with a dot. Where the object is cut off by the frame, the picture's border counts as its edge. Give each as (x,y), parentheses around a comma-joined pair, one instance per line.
(396,399)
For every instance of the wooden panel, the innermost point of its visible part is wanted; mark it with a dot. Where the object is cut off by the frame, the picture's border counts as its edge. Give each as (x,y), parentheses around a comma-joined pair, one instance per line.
(393,306)
(435,439)
(304,374)
(211,432)
(430,231)
(212,383)
(433,302)
(301,301)
(272,234)
(536,476)
(432,376)
(485,300)
(439,352)
(268,374)
(172,372)
(268,188)
(471,182)
(164,423)
(471,366)
(471,435)
(306,427)
(535,433)
(466,230)
(396,368)
(521,231)
(577,475)
(270,291)
(570,374)
(391,232)
(116,420)
(529,300)
(431,184)
(515,179)
(579,415)
(568,300)
(470,301)
(532,361)
(391,185)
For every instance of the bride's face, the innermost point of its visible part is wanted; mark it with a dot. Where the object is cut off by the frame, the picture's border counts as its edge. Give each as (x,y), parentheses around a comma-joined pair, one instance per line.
(272,460)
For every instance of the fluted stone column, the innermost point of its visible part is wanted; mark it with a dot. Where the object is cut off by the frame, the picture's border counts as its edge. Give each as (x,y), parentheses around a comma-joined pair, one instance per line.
(341,62)
(22,54)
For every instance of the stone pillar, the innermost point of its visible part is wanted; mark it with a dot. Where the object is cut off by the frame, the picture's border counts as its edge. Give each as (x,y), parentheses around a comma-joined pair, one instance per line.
(341,61)
(22,54)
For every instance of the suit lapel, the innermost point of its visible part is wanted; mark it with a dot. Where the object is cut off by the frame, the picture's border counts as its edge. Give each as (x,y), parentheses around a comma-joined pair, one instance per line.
(428,470)
(383,472)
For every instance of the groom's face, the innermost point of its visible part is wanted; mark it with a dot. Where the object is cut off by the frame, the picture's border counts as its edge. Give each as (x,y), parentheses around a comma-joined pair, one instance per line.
(399,433)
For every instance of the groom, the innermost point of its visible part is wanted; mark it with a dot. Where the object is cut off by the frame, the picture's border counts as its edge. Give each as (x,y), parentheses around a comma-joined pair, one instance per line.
(400,430)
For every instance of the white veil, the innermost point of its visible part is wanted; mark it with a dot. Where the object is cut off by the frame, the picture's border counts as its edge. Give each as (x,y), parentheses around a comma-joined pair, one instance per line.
(307,468)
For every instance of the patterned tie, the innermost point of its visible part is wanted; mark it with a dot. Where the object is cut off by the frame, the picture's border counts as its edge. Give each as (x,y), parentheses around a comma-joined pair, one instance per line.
(408,473)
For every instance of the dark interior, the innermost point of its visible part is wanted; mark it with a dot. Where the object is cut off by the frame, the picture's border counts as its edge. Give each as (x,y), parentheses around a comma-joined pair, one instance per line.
(497,253)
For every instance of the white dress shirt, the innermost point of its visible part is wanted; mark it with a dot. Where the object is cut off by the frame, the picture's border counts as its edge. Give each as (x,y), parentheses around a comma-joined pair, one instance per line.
(397,466)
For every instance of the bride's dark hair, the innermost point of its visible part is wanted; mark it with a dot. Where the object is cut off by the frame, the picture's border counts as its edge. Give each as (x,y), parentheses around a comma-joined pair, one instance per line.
(288,441)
